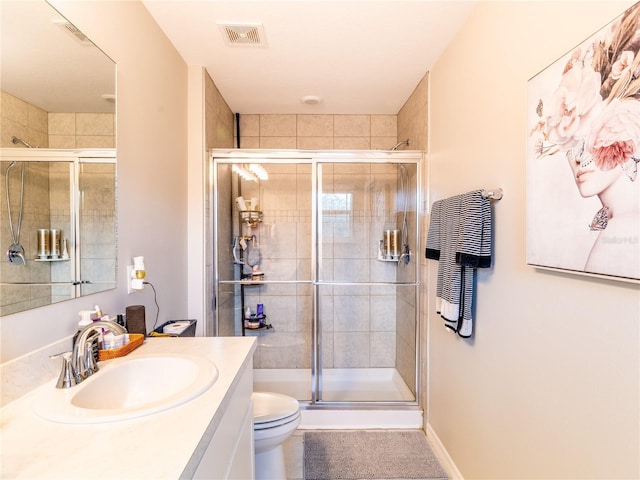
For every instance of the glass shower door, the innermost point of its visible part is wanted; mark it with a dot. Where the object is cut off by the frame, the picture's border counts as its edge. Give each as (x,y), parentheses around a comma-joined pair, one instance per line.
(366,288)
(264,262)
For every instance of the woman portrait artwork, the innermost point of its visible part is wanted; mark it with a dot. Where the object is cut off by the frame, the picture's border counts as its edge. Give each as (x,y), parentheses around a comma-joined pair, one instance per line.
(583,190)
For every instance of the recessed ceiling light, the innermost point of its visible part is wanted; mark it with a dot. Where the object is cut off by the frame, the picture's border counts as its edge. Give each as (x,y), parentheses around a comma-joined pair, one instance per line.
(311,100)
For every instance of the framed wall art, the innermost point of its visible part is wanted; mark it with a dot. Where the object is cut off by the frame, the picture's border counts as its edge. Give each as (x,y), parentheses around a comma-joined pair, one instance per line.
(583,190)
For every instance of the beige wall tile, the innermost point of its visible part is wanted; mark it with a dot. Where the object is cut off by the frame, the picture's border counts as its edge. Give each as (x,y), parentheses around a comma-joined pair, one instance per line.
(94,124)
(210,126)
(384,125)
(37,138)
(224,137)
(315,125)
(315,143)
(62,124)
(278,126)
(249,126)
(38,119)
(14,108)
(249,142)
(412,117)
(278,142)
(11,128)
(95,141)
(352,125)
(383,143)
(351,143)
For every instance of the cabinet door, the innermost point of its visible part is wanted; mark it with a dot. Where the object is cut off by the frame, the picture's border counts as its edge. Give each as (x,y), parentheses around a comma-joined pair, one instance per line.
(230,453)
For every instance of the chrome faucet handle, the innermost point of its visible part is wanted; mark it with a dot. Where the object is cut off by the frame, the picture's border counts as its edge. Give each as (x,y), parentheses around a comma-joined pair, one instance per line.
(81,358)
(68,377)
(89,360)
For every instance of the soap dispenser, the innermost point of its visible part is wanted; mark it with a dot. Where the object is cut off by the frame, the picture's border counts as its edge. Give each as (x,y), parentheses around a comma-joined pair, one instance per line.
(85,319)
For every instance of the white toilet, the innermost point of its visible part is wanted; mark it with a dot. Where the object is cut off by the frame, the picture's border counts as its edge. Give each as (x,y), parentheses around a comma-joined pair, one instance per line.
(275,418)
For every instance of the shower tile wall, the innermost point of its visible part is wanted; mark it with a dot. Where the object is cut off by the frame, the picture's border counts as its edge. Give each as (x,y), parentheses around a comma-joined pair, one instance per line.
(97,225)
(413,124)
(318,132)
(358,323)
(23,120)
(36,213)
(81,130)
(47,205)
(219,128)
(53,130)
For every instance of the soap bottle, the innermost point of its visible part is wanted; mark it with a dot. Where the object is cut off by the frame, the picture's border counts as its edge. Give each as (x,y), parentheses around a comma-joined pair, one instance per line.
(86,319)
(247,316)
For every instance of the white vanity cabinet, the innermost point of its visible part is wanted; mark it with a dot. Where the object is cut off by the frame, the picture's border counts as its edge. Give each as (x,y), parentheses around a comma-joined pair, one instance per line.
(208,437)
(230,453)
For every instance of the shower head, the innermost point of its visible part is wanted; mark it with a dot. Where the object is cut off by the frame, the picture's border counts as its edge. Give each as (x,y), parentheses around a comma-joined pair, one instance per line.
(395,147)
(16,140)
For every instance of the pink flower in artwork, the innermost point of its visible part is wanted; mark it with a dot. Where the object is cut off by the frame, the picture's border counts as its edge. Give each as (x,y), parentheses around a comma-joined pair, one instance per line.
(615,134)
(622,64)
(573,103)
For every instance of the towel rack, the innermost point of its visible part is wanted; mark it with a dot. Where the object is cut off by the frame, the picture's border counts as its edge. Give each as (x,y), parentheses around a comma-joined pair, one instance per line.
(495,194)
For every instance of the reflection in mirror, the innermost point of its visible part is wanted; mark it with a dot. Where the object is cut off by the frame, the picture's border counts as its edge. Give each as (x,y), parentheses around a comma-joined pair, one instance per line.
(57,92)
(60,209)
(97,232)
(58,88)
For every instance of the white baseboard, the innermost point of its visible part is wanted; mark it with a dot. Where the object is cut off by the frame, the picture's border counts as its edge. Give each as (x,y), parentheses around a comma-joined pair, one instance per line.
(360,419)
(445,459)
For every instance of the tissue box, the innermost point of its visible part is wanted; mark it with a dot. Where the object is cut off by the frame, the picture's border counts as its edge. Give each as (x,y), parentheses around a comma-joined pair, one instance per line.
(178,328)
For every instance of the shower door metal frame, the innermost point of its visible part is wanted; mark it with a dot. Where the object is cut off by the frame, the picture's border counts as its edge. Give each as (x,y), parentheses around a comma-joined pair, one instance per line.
(315,158)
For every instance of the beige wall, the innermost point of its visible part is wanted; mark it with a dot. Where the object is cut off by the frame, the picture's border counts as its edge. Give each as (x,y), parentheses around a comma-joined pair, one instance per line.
(318,132)
(549,385)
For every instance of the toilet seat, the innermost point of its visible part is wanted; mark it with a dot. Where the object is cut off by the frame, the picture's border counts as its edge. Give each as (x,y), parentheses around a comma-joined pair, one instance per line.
(275,418)
(273,409)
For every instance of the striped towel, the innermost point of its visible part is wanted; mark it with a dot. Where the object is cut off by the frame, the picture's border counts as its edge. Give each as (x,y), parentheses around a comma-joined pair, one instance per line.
(459,238)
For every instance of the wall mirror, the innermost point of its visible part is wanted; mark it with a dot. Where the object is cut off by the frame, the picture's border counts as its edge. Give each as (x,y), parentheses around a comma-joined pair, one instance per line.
(58,159)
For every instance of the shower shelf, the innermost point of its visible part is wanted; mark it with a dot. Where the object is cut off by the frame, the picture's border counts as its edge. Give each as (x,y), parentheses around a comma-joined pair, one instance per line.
(251,217)
(393,260)
(51,259)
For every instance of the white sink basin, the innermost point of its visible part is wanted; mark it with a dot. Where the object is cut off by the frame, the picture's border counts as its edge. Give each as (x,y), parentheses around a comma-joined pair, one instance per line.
(129,388)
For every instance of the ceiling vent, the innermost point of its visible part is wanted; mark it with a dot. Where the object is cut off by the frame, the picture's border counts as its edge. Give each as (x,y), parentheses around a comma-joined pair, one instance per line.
(243,34)
(73,30)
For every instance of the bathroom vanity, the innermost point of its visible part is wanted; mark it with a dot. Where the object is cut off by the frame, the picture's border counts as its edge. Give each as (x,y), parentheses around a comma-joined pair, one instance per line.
(209,436)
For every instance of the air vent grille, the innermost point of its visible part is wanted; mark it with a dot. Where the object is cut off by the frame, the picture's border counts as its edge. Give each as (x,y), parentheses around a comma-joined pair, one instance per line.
(243,34)
(73,30)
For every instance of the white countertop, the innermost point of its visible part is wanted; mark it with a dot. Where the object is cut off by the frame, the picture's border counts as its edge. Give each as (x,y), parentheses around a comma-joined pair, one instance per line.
(163,445)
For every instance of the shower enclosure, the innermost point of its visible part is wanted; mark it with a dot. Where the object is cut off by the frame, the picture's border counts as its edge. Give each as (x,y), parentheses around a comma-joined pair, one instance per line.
(71,193)
(316,254)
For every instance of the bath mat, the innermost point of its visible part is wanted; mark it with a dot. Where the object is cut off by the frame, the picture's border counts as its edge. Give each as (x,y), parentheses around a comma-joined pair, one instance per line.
(360,454)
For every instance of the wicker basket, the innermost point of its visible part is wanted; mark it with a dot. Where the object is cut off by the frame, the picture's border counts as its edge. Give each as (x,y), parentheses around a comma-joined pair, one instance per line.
(135,340)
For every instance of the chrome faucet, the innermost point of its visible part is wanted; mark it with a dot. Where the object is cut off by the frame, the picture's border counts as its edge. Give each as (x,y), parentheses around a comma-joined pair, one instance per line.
(82,364)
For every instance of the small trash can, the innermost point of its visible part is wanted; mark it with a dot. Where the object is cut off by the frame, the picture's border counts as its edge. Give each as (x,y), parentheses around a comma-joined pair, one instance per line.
(177,328)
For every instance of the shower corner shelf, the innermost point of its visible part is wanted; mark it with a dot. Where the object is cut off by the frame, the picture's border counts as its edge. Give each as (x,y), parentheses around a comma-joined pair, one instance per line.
(393,260)
(251,217)
(51,259)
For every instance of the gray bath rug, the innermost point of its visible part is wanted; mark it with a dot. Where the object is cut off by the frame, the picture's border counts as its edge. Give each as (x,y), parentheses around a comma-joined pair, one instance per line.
(360,454)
